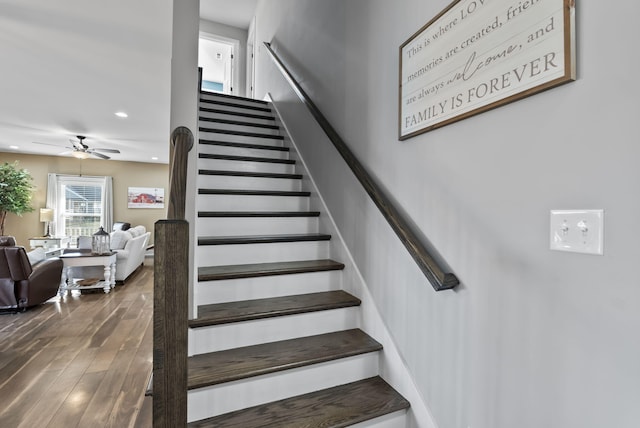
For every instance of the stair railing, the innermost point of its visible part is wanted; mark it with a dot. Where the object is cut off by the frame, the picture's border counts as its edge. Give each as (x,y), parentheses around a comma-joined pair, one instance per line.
(171,294)
(435,272)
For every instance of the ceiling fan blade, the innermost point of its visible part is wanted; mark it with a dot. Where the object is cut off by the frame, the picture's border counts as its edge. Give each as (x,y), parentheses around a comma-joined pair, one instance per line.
(100,155)
(47,144)
(106,150)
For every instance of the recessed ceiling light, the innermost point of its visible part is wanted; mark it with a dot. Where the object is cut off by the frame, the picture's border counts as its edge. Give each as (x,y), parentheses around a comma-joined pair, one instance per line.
(14,147)
(154,158)
(121,114)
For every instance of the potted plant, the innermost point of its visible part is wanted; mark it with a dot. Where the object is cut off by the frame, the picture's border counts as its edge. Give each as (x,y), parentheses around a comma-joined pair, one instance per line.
(16,188)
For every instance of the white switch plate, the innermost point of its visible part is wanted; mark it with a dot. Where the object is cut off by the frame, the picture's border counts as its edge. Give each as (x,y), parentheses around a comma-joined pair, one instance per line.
(577,231)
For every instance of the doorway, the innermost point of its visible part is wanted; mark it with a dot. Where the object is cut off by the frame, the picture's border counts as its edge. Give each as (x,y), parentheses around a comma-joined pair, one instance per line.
(216,56)
(251,65)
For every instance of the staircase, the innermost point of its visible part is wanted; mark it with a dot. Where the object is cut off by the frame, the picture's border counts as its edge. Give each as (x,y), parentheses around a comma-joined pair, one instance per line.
(275,342)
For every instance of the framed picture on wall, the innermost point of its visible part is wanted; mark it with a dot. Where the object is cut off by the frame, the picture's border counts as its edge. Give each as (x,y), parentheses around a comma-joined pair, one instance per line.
(145,197)
(477,55)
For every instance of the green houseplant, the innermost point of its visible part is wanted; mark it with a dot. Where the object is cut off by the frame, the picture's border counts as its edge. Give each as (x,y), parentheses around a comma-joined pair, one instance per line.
(16,189)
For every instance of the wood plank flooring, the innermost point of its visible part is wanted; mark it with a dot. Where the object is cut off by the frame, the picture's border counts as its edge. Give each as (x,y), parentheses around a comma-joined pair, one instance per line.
(80,361)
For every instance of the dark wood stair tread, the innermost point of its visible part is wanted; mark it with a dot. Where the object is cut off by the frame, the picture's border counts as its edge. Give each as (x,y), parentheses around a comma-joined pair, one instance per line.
(233,97)
(249,174)
(240,363)
(241,133)
(237,113)
(262,239)
(291,193)
(243,145)
(235,105)
(238,123)
(261,214)
(336,407)
(215,273)
(245,158)
(248,310)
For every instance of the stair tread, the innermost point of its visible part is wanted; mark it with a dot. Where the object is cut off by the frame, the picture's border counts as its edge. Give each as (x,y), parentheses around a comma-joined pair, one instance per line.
(248,361)
(249,174)
(245,158)
(247,310)
(237,113)
(275,214)
(238,122)
(235,105)
(233,97)
(243,145)
(213,273)
(261,239)
(241,133)
(253,192)
(336,407)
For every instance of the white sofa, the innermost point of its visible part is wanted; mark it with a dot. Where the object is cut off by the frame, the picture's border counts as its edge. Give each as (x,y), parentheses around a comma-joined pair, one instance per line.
(130,246)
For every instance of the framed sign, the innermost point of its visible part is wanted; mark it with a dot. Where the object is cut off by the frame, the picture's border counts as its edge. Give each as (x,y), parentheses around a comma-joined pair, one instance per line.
(480,54)
(145,197)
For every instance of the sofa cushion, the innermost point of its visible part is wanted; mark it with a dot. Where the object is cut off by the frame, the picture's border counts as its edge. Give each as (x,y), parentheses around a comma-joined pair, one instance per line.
(138,230)
(36,255)
(119,239)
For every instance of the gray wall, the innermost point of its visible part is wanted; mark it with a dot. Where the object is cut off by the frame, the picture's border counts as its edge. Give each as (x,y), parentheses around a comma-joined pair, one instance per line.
(532,338)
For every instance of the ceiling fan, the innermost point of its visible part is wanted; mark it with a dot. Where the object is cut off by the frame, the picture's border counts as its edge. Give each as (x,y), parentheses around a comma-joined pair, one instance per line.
(80,150)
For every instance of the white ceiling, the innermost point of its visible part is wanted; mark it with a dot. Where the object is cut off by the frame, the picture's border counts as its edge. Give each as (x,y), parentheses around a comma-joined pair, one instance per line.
(236,13)
(69,65)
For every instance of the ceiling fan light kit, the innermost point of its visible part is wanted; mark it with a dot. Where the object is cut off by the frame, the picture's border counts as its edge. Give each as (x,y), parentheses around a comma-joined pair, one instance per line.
(79,154)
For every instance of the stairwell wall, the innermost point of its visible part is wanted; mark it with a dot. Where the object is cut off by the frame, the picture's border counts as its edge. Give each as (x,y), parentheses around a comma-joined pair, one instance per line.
(532,337)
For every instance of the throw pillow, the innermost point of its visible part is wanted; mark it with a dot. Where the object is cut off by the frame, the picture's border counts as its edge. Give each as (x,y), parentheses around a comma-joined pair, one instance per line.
(137,231)
(36,255)
(119,239)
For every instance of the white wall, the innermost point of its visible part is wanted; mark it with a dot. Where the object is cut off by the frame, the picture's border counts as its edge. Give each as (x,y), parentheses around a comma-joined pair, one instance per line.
(231,33)
(532,338)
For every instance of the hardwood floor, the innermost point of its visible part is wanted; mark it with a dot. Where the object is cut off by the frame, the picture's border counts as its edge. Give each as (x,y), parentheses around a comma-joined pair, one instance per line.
(80,361)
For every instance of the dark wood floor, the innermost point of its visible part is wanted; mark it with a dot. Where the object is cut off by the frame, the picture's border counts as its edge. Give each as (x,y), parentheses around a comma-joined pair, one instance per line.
(80,361)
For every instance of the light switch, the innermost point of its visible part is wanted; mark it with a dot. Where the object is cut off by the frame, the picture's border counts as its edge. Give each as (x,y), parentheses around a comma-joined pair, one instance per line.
(578,231)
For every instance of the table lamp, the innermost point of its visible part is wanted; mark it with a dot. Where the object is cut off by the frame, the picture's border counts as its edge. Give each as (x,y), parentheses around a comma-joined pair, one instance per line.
(46,216)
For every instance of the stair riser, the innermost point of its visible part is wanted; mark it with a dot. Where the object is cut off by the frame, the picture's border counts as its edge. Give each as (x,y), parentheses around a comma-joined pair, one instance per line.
(229,226)
(236,101)
(235,109)
(239,128)
(227,336)
(204,135)
(224,398)
(246,166)
(230,290)
(248,118)
(241,151)
(392,420)
(247,183)
(216,255)
(252,203)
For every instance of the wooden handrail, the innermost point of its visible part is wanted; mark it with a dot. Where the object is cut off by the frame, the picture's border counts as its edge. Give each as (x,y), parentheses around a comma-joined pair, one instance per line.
(182,141)
(435,273)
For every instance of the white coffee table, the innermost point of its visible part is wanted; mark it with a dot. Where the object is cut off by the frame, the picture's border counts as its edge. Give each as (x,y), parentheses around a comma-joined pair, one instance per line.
(87,259)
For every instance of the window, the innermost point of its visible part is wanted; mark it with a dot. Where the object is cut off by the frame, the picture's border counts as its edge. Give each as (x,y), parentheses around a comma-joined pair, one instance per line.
(81,204)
